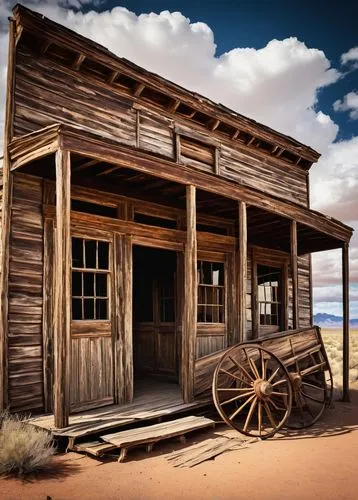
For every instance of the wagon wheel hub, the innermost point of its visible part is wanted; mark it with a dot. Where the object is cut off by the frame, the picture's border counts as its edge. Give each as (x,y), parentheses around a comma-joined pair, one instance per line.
(296,381)
(263,389)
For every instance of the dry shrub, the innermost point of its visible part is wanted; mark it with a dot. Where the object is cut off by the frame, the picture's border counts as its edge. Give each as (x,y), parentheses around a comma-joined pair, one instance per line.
(333,341)
(23,448)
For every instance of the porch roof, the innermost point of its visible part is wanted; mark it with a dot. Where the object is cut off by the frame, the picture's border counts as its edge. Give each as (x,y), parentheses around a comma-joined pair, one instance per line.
(33,146)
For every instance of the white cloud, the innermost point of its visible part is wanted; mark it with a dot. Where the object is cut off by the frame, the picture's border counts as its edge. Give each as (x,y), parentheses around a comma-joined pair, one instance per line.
(348,103)
(350,57)
(276,84)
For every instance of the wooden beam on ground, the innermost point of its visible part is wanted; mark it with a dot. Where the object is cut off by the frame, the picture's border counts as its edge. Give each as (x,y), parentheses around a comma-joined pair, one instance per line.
(62,302)
(190,299)
(6,221)
(294,275)
(242,270)
(345,284)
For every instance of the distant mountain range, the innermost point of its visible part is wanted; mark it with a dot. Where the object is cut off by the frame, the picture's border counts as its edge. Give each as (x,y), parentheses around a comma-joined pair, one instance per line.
(331,321)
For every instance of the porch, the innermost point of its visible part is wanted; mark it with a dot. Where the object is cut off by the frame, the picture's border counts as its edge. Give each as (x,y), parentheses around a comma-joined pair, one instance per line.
(126,183)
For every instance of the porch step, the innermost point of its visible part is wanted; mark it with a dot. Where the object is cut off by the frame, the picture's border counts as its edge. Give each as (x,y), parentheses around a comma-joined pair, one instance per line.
(154,433)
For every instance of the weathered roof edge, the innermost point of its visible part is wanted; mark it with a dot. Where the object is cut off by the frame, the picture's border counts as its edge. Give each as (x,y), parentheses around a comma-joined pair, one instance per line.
(25,148)
(25,16)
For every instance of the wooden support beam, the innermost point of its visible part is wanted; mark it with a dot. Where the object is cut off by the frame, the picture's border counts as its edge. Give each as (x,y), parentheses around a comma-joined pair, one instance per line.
(214,124)
(112,77)
(174,106)
(294,274)
(45,45)
(345,285)
(138,89)
(6,221)
(62,301)
(236,134)
(108,170)
(83,166)
(190,298)
(251,141)
(78,61)
(241,270)
(122,305)
(47,310)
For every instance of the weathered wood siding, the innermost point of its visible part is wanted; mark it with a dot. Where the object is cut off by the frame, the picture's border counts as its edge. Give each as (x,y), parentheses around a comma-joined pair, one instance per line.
(25,296)
(304,290)
(47,92)
(251,170)
(91,371)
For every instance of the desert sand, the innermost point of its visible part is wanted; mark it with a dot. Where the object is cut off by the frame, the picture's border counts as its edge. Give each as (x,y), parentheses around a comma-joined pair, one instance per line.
(320,462)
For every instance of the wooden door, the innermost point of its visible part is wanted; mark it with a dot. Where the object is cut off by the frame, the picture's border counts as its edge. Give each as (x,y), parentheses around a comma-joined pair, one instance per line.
(91,371)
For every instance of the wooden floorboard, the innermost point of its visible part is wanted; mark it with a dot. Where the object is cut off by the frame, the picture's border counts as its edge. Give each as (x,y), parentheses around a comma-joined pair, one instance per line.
(153,403)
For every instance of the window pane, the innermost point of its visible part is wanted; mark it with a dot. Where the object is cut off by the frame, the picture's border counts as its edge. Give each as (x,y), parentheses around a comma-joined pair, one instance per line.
(76,309)
(269,294)
(101,285)
(101,309)
(88,281)
(76,284)
(88,309)
(103,255)
(90,253)
(77,252)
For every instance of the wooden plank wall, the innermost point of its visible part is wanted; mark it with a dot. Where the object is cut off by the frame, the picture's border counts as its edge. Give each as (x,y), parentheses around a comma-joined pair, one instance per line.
(304,290)
(47,92)
(91,371)
(25,296)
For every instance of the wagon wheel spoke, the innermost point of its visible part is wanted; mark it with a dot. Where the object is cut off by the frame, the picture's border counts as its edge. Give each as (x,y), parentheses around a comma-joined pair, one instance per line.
(276,393)
(240,367)
(232,375)
(263,366)
(278,408)
(236,412)
(249,415)
(254,368)
(279,382)
(269,414)
(313,386)
(311,398)
(236,398)
(259,417)
(233,389)
(274,374)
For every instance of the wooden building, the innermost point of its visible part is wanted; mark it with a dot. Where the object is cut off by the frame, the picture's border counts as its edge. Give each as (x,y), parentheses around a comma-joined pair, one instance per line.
(144,227)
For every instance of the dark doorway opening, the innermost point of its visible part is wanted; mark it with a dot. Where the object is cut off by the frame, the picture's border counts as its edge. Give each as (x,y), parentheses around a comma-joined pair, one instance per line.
(155,325)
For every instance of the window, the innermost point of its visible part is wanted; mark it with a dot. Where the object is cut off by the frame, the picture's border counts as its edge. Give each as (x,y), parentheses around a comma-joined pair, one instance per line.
(211,292)
(269,281)
(90,279)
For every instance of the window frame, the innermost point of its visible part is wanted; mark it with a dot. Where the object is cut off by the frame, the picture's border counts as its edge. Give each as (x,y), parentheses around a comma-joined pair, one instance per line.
(204,329)
(278,260)
(95,327)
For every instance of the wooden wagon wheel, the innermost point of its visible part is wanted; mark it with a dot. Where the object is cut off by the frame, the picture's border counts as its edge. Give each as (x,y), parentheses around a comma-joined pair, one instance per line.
(312,393)
(252,390)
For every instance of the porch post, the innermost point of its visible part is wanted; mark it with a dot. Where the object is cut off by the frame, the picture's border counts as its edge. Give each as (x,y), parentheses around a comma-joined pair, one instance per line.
(294,275)
(242,270)
(6,222)
(62,277)
(345,284)
(190,298)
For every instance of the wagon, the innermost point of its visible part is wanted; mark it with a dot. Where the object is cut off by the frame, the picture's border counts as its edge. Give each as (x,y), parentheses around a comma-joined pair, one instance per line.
(282,379)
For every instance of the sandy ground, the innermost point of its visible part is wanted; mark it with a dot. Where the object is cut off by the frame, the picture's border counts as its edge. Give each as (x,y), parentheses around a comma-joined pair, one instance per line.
(319,463)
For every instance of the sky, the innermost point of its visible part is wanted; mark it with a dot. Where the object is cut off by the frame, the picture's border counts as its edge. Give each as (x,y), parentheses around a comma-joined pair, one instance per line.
(290,65)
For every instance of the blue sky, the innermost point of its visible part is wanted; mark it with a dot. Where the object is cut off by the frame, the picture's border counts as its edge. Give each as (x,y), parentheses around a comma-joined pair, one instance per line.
(327,25)
(291,65)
